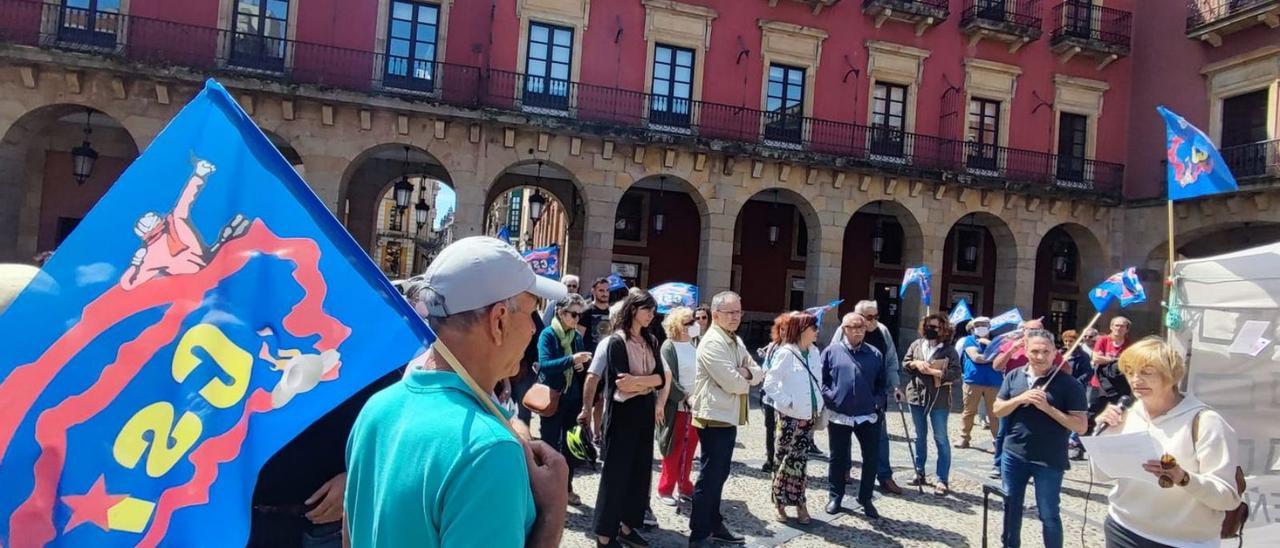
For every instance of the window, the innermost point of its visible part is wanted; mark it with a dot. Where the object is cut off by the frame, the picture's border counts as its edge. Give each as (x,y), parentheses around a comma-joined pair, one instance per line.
(784,104)
(89,22)
(1062,315)
(628,225)
(513,213)
(411,45)
(629,272)
(547,64)
(672,86)
(1072,134)
(795,292)
(1078,18)
(885,293)
(1244,119)
(391,258)
(888,119)
(984,133)
(258,39)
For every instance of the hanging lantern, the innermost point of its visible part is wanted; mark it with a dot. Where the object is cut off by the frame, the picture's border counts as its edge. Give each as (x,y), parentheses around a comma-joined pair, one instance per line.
(877,239)
(660,219)
(773,234)
(537,206)
(403,192)
(421,212)
(84,156)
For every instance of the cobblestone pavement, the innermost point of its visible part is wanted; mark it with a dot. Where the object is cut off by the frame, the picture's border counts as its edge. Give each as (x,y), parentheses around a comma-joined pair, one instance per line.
(912,519)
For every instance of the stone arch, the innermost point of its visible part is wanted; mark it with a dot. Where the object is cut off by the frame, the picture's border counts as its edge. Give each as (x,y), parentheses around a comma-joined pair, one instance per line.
(39,200)
(1069,260)
(864,274)
(567,205)
(658,222)
(287,150)
(762,271)
(370,174)
(996,259)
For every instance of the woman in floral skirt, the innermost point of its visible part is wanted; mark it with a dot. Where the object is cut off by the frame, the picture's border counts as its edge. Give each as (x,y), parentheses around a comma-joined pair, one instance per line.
(792,382)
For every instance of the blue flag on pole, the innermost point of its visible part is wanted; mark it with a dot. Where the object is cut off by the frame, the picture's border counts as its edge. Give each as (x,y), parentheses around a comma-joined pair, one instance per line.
(1006,321)
(545,261)
(917,276)
(1195,166)
(1123,286)
(616,282)
(504,234)
(960,312)
(674,294)
(204,313)
(820,311)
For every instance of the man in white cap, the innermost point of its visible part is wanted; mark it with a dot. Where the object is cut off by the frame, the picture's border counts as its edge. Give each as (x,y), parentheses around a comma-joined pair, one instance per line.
(981,381)
(428,463)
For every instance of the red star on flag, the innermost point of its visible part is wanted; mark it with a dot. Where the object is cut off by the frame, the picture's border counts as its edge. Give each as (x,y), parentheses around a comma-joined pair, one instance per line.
(91,507)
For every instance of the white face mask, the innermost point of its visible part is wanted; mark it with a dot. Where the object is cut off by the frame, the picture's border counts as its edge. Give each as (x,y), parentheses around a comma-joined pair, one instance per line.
(982,332)
(695,330)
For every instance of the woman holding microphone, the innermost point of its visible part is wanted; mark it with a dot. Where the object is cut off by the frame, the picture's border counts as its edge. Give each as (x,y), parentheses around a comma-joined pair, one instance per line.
(1195,480)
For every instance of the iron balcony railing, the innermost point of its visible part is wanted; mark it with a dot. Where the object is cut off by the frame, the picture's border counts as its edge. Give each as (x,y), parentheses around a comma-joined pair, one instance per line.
(214,51)
(1081,19)
(1021,14)
(1260,159)
(915,7)
(1206,12)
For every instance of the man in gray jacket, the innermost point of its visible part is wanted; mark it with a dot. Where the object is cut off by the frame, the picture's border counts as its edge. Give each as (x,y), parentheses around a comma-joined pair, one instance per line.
(878,336)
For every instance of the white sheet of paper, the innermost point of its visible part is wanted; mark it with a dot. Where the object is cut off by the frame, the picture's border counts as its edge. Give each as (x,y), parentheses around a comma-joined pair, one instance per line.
(1219,325)
(1248,336)
(1122,455)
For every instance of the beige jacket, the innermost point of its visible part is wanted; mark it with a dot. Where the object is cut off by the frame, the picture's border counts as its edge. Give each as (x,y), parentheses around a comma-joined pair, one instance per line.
(719,390)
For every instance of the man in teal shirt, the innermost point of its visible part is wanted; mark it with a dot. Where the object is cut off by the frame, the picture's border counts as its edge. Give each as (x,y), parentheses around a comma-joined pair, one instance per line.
(428,463)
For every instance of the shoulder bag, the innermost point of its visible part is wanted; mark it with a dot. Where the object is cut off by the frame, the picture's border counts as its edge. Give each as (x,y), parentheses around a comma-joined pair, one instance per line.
(1233,522)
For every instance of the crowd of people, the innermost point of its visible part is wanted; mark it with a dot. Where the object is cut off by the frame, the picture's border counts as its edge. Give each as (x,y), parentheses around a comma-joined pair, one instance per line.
(442,455)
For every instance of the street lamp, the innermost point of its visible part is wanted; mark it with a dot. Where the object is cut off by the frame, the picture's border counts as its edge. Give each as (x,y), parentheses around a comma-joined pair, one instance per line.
(1061,259)
(660,219)
(773,225)
(877,239)
(84,156)
(537,206)
(403,188)
(421,212)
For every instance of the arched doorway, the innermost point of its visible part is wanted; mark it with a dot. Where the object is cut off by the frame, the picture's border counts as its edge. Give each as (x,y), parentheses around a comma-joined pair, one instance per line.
(56,162)
(881,241)
(980,255)
(1069,261)
(389,206)
(774,243)
(540,204)
(657,232)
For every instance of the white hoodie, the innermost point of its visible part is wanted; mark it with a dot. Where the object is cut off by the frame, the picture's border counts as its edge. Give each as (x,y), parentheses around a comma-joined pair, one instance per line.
(1180,516)
(790,382)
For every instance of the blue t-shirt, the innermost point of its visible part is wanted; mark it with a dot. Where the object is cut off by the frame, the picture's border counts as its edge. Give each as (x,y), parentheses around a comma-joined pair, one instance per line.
(1030,434)
(428,465)
(981,374)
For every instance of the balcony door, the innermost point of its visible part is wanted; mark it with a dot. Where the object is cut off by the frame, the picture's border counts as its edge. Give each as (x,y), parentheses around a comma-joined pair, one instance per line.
(1072,135)
(547,64)
(411,45)
(991,10)
(89,22)
(1244,130)
(784,104)
(888,119)
(1078,18)
(259,37)
(672,86)
(984,134)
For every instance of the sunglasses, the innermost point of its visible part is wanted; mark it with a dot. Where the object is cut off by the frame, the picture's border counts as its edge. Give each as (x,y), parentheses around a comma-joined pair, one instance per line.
(573,315)
(689,323)
(870,317)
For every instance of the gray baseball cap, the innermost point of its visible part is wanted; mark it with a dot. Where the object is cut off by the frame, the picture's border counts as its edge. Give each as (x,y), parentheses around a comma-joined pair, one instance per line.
(475,272)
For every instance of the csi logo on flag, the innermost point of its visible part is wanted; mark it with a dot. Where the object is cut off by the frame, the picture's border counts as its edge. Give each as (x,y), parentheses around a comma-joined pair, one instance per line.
(545,261)
(204,312)
(674,294)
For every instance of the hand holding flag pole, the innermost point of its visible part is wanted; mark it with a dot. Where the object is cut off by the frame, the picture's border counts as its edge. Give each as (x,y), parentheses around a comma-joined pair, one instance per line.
(1124,287)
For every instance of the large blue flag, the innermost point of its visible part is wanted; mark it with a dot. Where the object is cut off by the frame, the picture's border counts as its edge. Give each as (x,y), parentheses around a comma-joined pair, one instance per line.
(674,294)
(1123,286)
(545,261)
(1007,321)
(205,312)
(917,276)
(1195,167)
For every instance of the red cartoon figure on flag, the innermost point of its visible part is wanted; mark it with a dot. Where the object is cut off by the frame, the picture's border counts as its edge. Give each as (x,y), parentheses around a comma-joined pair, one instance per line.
(171,245)
(1188,170)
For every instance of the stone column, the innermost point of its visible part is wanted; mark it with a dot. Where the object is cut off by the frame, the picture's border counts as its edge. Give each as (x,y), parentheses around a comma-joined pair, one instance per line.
(822,273)
(596,250)
(715,265)
(324,174)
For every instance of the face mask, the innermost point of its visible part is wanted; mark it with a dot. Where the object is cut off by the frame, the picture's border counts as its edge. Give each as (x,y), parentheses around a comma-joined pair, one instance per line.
(982,332)
(930,333)
(695,330)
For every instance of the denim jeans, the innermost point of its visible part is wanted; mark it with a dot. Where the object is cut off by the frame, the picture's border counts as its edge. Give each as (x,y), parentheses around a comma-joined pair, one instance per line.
(937,421)
(717,457)
(997,462)
(1016,473)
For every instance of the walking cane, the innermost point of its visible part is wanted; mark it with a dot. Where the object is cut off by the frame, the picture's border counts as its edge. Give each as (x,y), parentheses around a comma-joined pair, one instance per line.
(910,446)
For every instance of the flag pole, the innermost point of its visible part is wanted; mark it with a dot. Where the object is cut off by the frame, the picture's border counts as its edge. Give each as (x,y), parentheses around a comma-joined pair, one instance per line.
(1076,344)
(1168,286)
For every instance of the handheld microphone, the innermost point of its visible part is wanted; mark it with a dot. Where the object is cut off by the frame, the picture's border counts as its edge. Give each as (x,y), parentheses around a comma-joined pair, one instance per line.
(1124,404)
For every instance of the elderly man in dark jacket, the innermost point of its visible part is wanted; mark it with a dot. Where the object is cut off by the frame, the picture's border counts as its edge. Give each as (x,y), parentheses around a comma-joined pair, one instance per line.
(855,390)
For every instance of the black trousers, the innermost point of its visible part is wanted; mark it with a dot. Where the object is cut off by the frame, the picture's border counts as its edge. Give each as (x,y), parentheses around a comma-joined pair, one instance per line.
(555,431)
(627,473)
(717,457)
(1119,537)
(841,436)
(770,431)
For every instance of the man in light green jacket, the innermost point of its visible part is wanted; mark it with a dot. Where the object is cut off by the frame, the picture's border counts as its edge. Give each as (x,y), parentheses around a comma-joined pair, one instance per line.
(726,374)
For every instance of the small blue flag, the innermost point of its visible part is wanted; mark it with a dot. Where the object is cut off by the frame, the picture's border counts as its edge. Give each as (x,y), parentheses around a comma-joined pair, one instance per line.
(206,310)
(1195,166)
(675,294)
(917,276)
(545,261)
(1008,320)
(1123,286)
(820,311)
(616,282)
(960,312)
(504,234)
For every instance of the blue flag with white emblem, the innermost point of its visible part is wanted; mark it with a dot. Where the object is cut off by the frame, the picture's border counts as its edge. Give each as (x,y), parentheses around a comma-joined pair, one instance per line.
(1123,286)
(204,313)
(674,294)
(918,276)
(1195,168)
(960,312)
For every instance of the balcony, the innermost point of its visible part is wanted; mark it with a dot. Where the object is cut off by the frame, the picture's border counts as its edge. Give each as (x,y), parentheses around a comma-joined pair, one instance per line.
(1082,27)
(921,13)
(609,112)
(1210,20)
(817,5)
(1254,163)
(1015,22)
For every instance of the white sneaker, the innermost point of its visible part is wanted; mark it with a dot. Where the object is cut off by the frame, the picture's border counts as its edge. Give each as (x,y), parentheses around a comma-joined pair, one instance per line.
(669,501)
